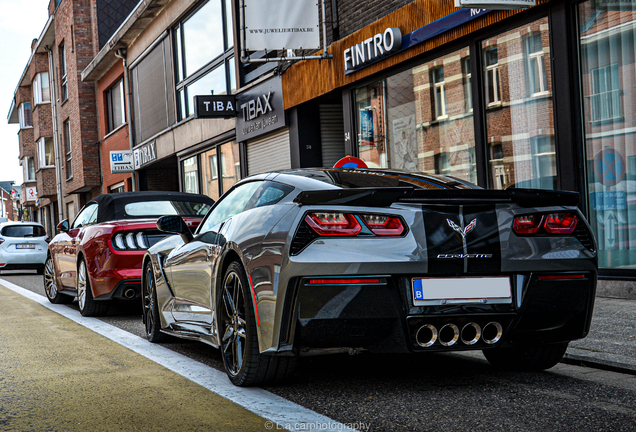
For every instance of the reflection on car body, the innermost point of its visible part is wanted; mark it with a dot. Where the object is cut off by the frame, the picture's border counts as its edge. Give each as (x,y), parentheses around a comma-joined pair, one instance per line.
(317,261)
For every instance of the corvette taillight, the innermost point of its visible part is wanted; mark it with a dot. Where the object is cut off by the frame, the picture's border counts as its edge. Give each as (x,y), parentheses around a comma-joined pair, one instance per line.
(527,224)
(560,223)
(383,225)
(553,223)
(333,224)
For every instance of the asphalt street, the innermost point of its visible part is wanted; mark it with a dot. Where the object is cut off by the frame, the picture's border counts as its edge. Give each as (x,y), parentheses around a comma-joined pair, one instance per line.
(99,385)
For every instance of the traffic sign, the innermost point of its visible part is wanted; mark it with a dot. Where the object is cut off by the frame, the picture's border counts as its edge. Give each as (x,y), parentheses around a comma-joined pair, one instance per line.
(609,167)
(350,162)
(121,161)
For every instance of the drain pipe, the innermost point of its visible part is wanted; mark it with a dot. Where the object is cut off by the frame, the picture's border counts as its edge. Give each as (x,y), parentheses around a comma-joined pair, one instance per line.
(121,53)
(56,143)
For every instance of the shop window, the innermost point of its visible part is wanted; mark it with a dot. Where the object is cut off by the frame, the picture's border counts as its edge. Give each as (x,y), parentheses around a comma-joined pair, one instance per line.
(439,95)
(606,41)
(203,54)
(224,159)
(41,90)
(115,110)
(521,129)
(397,119)
(605,98)
(66,135)
(468,91)
(493,90)
(45,152)
(26,117)
(190,175)
(537,78)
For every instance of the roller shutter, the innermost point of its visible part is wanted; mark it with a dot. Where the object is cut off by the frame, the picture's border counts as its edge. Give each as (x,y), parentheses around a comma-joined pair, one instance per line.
(331,134)
(269,153)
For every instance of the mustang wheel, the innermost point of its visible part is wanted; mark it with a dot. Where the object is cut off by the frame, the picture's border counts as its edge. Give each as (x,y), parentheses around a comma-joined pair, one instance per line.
(87,305)
(528,357)
(50,285)
(244,364)
(151,312)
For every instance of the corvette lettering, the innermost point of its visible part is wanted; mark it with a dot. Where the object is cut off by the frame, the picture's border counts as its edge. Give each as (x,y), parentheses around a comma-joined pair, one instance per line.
(462,256)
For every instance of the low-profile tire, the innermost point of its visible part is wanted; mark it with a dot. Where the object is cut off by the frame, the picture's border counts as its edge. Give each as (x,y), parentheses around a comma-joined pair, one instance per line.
(528,357)
(50,285)
(88,306)
(244,364)
(151,317)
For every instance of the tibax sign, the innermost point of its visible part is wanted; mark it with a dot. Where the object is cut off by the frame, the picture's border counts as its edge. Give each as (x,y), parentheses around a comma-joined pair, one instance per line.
(260,110)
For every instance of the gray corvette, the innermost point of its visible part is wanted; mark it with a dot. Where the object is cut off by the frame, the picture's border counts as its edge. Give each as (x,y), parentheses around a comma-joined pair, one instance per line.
(317,261)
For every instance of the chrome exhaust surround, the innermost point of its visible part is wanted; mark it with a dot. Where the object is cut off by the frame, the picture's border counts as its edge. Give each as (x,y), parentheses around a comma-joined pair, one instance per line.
(444,333)
(471,333)
(492,333)
(129,293)
(426,336)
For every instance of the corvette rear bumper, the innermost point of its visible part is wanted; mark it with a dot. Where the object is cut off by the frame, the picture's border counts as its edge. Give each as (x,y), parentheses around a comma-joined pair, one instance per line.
(382,317)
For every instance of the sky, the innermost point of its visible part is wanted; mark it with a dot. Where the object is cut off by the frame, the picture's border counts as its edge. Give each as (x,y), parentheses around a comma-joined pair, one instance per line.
(21,21)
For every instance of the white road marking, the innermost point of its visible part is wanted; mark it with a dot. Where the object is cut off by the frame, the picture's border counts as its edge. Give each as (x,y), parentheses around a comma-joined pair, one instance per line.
(283,413)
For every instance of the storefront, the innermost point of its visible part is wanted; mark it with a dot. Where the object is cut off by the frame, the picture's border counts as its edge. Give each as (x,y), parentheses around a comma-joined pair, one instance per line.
(542,98)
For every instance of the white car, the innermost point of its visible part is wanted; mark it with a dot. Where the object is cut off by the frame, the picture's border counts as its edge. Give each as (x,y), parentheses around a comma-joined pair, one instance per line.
(23,245)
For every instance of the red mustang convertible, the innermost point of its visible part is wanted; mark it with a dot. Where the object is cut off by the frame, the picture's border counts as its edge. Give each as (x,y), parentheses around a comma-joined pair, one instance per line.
(98,257)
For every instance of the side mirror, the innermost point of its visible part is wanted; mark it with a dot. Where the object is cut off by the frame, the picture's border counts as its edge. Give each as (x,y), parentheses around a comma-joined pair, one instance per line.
(175,225)
(63,226)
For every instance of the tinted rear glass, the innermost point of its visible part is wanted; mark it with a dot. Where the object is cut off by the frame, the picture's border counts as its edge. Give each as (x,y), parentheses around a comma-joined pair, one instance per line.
(23,231)
(164,208)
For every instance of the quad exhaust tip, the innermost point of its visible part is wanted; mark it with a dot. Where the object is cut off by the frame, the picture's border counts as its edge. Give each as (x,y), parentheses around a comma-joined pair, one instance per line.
(427,335)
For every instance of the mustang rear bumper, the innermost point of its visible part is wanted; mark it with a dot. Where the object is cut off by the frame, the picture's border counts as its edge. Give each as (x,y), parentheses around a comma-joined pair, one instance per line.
(382,317)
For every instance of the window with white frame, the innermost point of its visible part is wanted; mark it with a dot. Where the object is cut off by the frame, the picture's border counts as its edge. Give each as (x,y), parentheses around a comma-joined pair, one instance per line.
(605,96)
(41,90)
(439,93)
(45,152)
(493,92)
(66,131)
(28,166)
(115,111)
(63,78)
(26,118)
(537,79)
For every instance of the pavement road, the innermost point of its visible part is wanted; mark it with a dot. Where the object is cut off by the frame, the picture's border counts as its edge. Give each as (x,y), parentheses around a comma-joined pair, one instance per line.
(376,392)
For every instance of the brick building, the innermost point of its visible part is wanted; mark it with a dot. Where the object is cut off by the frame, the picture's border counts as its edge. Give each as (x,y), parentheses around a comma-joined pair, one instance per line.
(58,112)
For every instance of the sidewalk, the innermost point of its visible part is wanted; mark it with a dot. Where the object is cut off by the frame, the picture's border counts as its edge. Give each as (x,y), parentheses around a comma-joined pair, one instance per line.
(57,375)
(611,343)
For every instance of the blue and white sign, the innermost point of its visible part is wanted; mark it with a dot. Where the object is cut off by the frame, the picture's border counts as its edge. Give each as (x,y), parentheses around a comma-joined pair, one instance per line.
(121,161)
(602,201)
(495,4)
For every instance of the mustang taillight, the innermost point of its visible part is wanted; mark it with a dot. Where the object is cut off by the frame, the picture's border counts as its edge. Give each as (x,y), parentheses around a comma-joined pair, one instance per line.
(130,241)
(553,223)
(383,225)
(333,224)
(560,223)
(527,224)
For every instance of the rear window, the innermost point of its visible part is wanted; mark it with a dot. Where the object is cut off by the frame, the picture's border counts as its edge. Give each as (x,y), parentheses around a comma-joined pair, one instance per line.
(165,208)
(23,231)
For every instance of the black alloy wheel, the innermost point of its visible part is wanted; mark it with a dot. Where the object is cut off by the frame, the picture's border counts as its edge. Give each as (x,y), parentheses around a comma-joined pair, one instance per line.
(244,364)
(88,306)
(151,317)
(50,285)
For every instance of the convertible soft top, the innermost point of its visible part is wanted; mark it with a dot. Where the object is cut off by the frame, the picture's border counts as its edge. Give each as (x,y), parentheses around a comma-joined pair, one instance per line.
(112,206)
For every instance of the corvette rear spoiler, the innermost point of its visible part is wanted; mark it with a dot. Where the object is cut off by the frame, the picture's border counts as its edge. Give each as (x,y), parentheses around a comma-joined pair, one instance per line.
(372,197)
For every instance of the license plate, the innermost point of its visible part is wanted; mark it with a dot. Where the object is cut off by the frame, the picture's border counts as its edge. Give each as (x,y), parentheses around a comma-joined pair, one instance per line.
(25,246)
(440,291)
